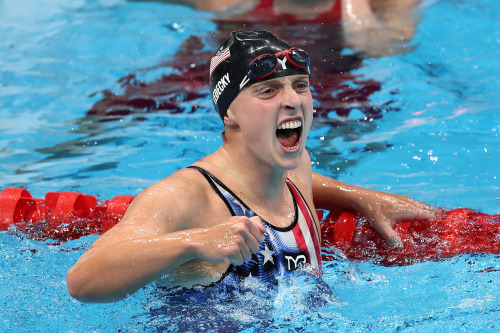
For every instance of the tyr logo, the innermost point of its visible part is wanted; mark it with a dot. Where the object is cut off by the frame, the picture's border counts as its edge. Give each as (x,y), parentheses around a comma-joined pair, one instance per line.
(295,261)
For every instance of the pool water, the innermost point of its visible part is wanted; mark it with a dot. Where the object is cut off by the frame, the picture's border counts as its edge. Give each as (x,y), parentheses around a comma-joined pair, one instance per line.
(435,137)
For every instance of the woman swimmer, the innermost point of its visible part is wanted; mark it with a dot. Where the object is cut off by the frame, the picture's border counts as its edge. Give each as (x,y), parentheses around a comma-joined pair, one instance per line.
(248,209)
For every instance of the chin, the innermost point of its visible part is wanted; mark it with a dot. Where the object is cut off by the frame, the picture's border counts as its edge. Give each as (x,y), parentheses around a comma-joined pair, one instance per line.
(293,163)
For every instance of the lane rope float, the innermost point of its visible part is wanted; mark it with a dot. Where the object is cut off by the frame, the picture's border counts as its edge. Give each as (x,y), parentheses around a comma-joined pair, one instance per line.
(63,216)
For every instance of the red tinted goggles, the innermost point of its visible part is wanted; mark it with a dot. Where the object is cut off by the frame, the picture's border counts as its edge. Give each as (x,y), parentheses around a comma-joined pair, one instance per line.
(266,64)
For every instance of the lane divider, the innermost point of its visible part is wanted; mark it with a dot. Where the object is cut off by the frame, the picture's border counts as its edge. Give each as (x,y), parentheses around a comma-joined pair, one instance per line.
(457,231)
(62,216)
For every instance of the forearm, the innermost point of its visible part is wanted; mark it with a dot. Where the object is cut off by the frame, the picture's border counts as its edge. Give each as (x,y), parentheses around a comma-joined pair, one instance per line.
(381,209)
(353,9)
(332,194)
(112,273)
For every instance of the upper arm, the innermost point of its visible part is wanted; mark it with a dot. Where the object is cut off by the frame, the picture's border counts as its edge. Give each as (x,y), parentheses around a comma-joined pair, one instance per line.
(324,191)
(332,194)
(157,210)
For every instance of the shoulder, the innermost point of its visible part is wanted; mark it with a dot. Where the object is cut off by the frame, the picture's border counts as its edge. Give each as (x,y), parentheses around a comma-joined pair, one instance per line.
(173,203)
(185,181)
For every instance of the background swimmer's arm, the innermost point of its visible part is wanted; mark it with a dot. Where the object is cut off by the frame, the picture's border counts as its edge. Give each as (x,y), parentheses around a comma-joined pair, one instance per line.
(379,28)
(381,209)
(158,233)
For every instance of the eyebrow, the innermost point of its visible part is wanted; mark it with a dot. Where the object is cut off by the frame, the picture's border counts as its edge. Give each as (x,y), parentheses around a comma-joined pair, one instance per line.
(278,80)
(269,83)
(301,78)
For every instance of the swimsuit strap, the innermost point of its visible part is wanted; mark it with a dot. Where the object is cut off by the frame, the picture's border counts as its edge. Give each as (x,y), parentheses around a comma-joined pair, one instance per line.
(308,226)
(235,205)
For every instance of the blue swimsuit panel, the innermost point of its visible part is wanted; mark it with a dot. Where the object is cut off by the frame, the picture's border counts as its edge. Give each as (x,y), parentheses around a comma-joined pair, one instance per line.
(283,250)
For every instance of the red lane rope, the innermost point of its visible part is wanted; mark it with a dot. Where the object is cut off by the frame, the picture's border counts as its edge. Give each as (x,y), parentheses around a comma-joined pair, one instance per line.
(457,231)
(62,216)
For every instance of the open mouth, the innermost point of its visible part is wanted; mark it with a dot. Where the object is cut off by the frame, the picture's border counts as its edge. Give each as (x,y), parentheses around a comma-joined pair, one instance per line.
(288,134)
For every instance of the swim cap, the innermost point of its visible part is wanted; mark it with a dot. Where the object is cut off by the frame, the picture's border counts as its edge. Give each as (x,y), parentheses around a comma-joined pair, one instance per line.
(249,57)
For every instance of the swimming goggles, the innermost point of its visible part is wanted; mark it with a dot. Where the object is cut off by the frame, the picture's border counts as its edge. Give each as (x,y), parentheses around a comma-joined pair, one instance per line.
(266,64)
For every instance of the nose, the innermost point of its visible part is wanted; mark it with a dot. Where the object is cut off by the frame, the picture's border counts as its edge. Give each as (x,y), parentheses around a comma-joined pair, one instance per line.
(291,99)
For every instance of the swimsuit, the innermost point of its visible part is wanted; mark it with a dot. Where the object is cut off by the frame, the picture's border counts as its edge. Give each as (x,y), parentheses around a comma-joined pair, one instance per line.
(283,250)
(265,10)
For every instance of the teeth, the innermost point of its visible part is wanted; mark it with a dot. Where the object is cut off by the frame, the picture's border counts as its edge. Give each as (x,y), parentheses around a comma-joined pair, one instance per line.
(290,124)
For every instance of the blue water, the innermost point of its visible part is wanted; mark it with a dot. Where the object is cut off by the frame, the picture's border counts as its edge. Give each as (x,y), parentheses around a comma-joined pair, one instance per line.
(438,142)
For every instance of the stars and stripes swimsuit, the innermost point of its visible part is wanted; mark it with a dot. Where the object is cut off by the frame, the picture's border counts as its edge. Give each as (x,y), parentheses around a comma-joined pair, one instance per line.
(284,249)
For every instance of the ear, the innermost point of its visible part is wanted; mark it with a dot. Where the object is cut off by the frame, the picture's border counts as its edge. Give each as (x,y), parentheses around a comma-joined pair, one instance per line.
(230,119)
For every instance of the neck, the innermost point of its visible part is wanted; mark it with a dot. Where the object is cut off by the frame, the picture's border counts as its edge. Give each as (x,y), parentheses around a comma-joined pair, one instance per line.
(262,187)
(256,179)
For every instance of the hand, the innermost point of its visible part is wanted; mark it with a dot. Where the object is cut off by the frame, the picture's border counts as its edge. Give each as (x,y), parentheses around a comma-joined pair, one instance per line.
(384,210)
(232,242)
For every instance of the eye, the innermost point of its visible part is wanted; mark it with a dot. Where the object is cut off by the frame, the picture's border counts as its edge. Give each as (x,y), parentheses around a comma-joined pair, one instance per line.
(266,91)
(302,86)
